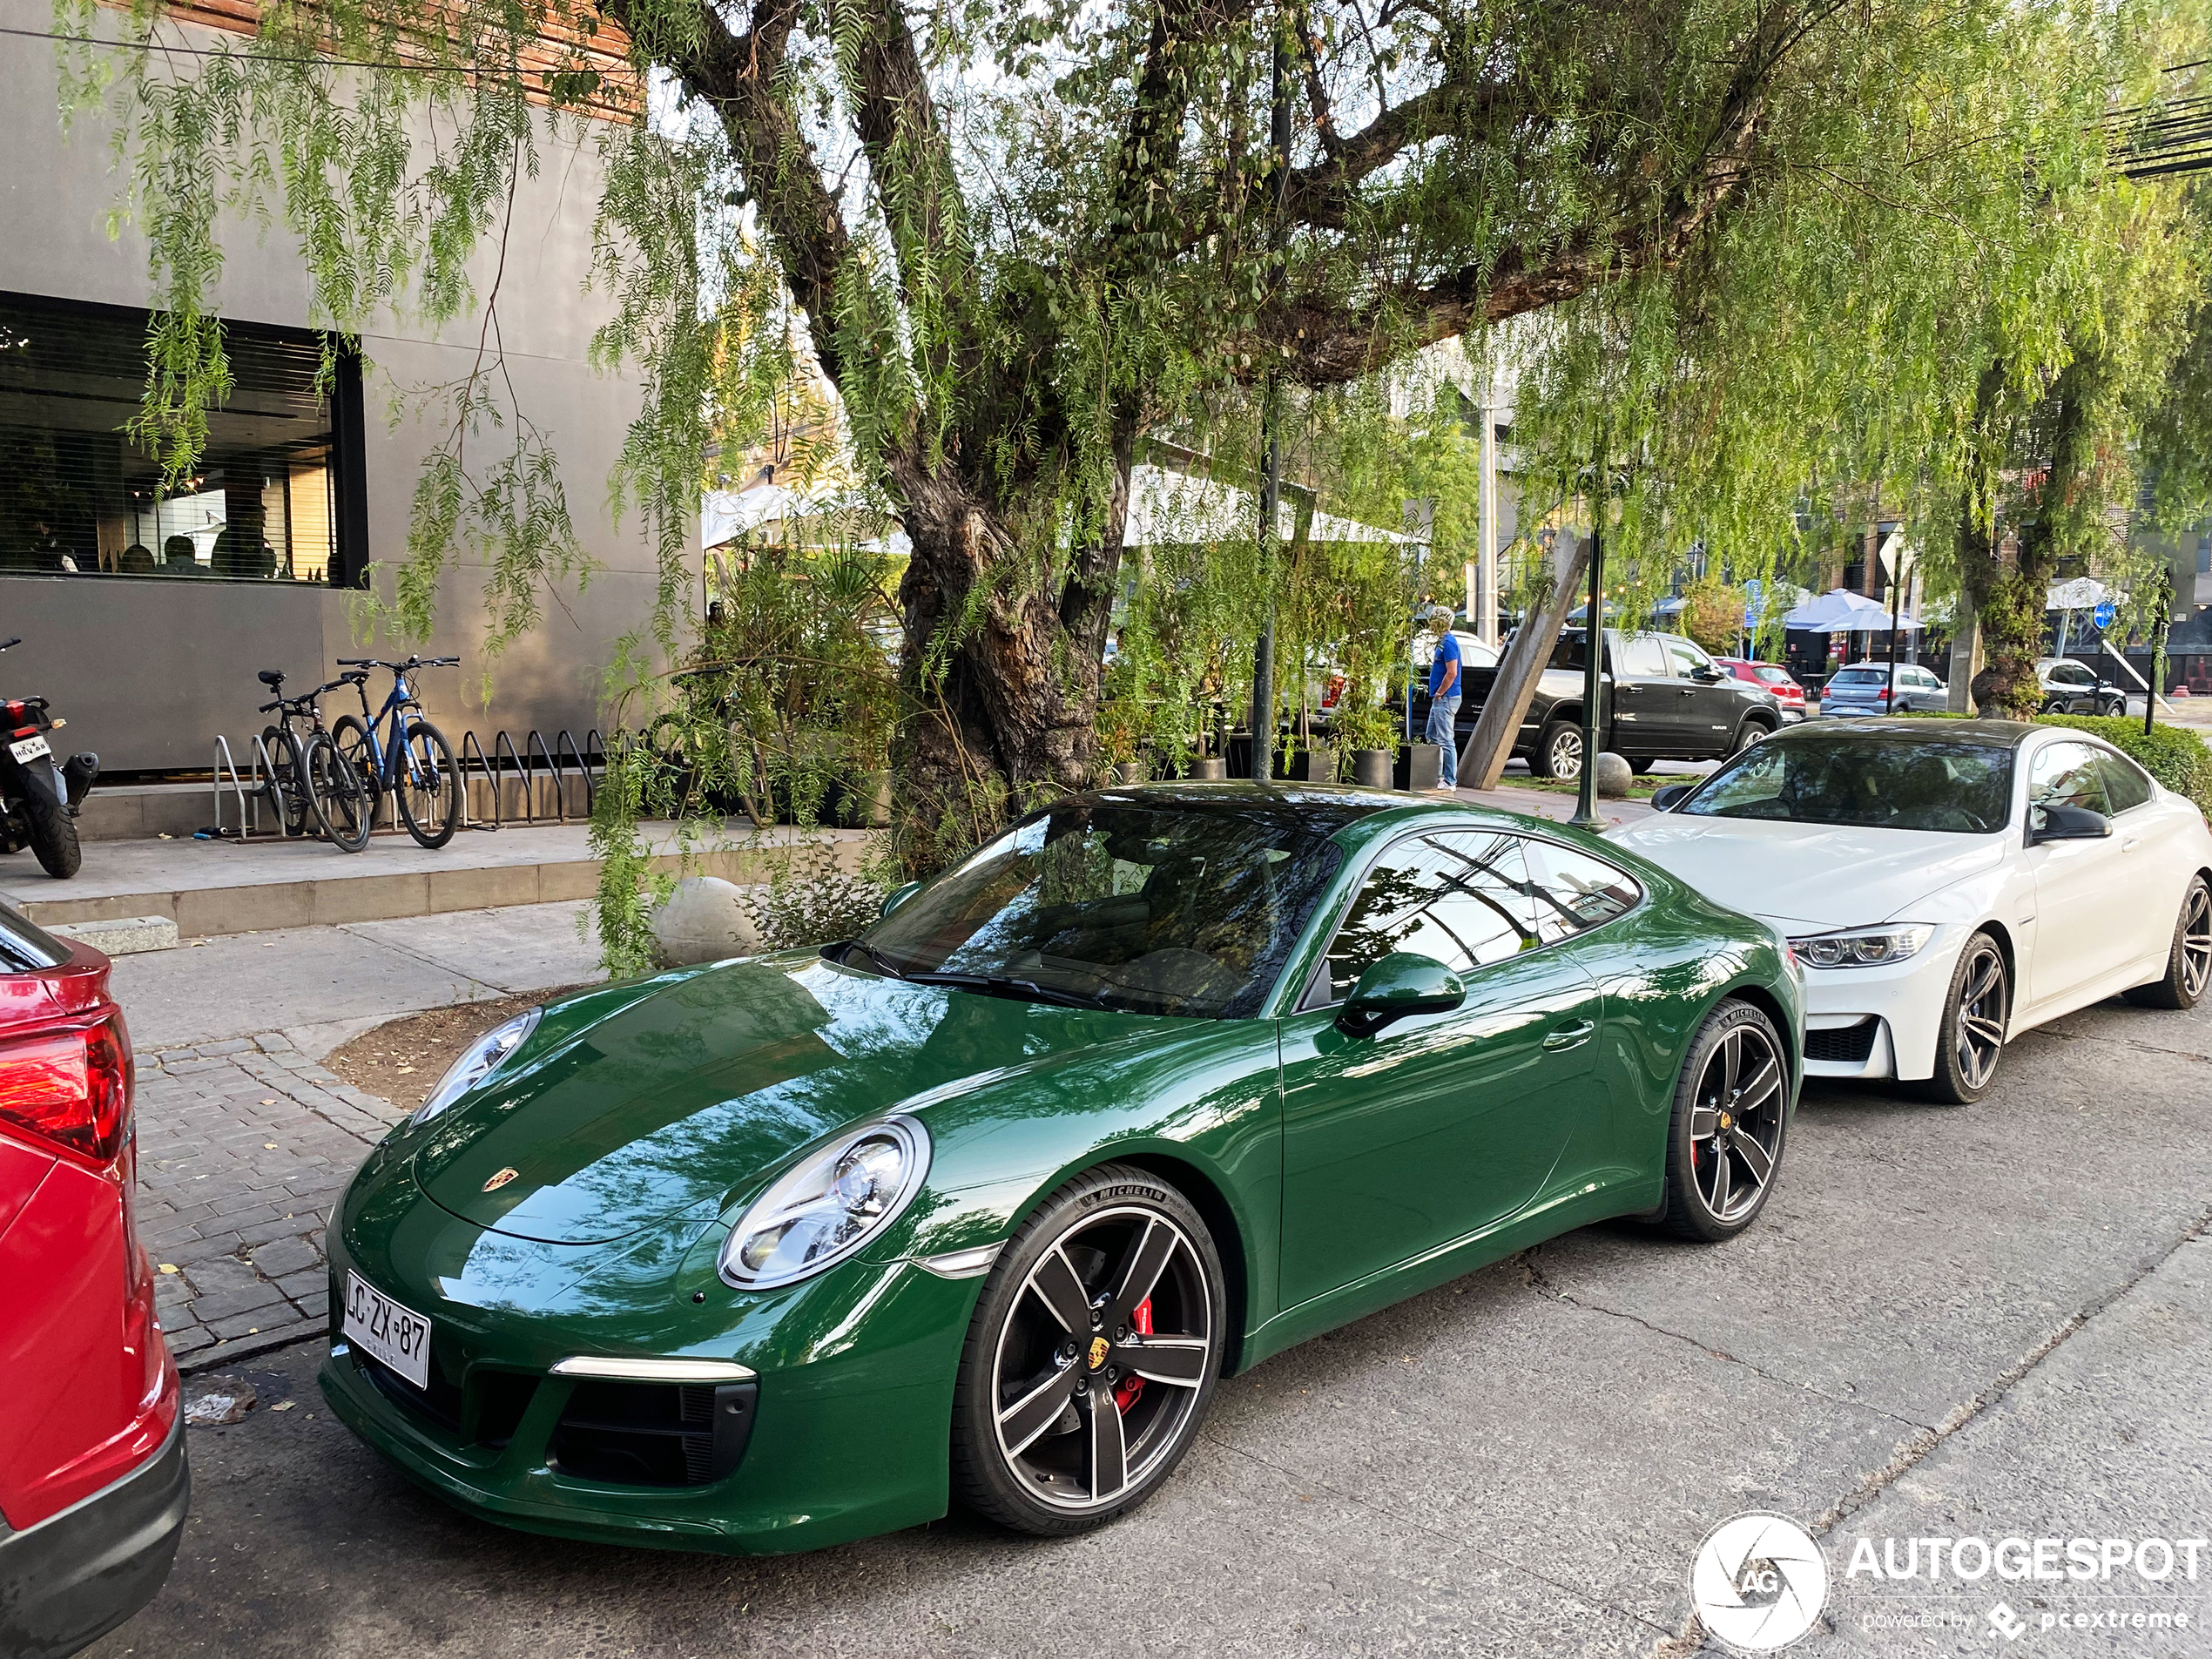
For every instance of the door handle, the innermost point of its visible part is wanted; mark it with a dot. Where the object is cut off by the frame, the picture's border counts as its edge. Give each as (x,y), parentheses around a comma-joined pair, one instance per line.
(1566,1036)
(2131,843)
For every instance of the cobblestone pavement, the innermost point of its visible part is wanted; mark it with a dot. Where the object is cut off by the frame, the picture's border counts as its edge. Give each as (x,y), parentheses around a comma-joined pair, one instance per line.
(244,1146)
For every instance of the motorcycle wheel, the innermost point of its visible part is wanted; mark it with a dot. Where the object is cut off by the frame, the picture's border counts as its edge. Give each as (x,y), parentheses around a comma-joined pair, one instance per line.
(53,831)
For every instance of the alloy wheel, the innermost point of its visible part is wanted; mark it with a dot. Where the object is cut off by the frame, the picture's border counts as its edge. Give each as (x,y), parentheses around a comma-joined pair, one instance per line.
(1565,755)
(1736,1123)
(1101,1359)
(1978,1034)
(2196,941)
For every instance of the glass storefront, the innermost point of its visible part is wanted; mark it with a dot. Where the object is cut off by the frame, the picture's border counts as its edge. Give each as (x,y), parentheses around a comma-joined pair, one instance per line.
(76,495)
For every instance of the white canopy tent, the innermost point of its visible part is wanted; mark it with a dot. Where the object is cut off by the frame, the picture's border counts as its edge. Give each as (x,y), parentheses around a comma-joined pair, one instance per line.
(1841,611)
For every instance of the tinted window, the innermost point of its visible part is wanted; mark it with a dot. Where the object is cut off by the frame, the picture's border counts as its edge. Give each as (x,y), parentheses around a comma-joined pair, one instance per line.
(2066,774)
(25,946)
(2125,784)
(1850,778)
(1147,909)
(2070,674)
(1772,675)
(1688,658)
(1575,891)
(1463,898)
(1642,656)
(1859,676)
(1569,652)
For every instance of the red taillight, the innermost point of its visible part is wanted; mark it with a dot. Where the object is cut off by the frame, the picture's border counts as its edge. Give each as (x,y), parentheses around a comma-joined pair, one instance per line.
(1881,696)
(71,1088)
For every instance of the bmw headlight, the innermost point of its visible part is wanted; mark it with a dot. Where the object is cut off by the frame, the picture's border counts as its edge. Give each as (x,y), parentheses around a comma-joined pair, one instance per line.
(478,1062)
(827,1206)
(1863,947)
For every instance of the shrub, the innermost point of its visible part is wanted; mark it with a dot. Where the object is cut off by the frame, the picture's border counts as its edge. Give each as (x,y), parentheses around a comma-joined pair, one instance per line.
(2174,755)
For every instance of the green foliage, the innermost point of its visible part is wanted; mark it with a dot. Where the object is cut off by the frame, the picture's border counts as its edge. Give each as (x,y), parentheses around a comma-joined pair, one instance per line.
(809,899)
(2177,757)
(1712,614)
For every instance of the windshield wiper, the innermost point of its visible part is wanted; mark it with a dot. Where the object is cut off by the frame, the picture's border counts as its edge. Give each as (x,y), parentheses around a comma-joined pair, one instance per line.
(1007,985)
(845,948)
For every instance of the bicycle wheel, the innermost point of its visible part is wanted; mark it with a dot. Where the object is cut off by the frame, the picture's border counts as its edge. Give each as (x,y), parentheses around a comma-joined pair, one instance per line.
(429,786)
(288,786)
(335,789)
(351,738)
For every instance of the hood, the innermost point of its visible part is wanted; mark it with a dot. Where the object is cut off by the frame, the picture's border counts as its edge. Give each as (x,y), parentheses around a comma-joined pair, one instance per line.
(694,1092)
(1818,875)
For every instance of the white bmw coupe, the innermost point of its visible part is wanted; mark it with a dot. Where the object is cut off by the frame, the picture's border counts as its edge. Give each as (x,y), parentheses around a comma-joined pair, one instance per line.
(1946,885)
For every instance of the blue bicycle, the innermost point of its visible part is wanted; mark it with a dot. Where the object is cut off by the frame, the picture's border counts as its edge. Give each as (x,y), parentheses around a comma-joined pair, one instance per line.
(411,758)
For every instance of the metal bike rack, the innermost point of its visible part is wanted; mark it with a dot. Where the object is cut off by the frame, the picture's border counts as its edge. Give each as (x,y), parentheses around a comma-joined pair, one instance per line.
(247,810)
(566,743)
(469,819)
(502,749)
(534,746)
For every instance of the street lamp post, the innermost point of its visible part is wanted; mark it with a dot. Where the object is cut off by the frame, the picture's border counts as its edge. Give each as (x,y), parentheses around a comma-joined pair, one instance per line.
(1593,660)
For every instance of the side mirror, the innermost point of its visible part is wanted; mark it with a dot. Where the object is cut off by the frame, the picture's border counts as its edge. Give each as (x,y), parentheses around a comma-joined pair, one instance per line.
(897,896)
(1706,674)
(1665,800)
(1401,983)
(2065,824)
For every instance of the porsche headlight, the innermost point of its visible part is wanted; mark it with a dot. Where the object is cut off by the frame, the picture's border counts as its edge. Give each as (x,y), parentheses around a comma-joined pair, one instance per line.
(1863,947)
(478,1062)
(827,1206)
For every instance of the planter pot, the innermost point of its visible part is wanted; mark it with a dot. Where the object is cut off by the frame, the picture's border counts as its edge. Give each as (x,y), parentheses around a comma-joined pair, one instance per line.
(1419,766)
(1131,772)
(1371,768)
(1213,770)
(1317,765)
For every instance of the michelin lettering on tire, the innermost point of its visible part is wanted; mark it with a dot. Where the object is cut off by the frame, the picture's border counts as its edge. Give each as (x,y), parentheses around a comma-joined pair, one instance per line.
(1758,1582)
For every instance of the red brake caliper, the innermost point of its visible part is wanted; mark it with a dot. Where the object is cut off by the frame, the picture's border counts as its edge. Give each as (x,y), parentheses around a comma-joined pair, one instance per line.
(1127,1390)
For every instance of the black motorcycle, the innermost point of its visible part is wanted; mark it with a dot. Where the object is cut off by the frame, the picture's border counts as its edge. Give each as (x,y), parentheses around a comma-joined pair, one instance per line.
(39,799)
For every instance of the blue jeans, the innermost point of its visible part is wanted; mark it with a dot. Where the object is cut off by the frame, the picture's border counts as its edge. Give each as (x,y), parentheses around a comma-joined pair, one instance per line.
(1443,730)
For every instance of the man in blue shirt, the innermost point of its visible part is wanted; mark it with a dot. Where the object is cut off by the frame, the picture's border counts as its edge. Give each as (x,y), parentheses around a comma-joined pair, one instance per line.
(1443,698)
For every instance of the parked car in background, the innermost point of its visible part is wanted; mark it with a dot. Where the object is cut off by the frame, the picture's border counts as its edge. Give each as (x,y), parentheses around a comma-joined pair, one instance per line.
(1775,678)
(2074,688)
(92,1477)
(1473,654)
(1664,698)
(1948,885)
(1865,688)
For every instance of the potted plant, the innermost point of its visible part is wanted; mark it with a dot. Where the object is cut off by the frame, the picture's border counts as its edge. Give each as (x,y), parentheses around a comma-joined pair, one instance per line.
(1369,733)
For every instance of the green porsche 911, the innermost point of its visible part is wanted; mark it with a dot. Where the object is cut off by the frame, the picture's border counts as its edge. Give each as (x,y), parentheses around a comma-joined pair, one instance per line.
(771,1254)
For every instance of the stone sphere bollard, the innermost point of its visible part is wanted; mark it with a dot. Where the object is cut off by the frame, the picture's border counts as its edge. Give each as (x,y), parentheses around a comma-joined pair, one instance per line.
(703,921)
(1613,777)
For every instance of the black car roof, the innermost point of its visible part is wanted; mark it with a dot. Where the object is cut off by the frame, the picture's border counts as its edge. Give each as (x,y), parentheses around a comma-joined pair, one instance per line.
(1995,734)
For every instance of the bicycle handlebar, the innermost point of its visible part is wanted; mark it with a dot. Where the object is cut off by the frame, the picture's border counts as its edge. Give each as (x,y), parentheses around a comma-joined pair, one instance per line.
(396,668)
(267,707)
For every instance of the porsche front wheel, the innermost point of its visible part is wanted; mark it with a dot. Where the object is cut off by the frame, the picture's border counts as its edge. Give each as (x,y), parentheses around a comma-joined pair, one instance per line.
(1092,1356)
(1731,1114)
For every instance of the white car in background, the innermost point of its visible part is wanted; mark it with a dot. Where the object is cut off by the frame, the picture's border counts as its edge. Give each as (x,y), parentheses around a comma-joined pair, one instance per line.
(1946,885)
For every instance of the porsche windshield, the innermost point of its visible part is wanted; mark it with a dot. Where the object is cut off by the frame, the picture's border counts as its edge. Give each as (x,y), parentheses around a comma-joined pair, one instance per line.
(1879,782)
(1144,909)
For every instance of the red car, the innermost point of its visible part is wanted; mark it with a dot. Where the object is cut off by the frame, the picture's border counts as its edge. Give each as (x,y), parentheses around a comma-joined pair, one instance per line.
(92,1479)
(1775,679)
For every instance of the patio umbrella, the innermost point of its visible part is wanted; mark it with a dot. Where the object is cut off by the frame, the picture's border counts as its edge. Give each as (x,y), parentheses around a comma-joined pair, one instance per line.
(2083,593)
(1841,611)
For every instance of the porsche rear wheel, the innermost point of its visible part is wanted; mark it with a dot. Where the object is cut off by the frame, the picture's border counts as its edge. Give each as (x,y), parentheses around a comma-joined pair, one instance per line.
(1730,1117)
(1092,1356)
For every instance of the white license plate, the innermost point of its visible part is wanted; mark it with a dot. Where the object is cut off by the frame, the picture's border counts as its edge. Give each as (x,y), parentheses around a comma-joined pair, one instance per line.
(399,1336)
(29,749)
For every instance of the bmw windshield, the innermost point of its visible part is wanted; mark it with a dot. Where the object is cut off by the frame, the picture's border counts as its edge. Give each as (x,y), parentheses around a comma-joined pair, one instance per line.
(1140,909)
(1849,779)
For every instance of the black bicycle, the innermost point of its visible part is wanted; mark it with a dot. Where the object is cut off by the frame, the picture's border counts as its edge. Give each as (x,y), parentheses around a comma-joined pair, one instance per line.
(310,787)
(410,757)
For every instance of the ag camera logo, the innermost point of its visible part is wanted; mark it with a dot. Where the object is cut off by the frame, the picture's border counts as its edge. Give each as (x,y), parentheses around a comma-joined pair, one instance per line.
(1758,1582)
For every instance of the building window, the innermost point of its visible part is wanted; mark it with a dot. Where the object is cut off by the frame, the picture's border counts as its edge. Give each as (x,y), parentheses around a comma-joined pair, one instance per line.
(276,495)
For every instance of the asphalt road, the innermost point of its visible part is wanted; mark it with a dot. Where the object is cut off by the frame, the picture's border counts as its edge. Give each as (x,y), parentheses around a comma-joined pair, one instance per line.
(1993,1321)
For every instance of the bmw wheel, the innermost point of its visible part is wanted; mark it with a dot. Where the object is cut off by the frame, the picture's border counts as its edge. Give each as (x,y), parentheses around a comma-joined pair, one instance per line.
(1092,1356)
(1730,1117)
(2188,962)
(1975,1015)
(1558,753)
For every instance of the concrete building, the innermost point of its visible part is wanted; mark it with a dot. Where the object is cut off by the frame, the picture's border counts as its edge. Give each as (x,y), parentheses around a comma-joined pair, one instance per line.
(151,642)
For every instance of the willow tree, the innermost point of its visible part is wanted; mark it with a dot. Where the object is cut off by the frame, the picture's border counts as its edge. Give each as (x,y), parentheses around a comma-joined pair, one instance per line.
(1017,242)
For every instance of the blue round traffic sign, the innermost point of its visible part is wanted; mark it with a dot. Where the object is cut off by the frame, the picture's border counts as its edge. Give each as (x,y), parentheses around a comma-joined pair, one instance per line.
(2104,614)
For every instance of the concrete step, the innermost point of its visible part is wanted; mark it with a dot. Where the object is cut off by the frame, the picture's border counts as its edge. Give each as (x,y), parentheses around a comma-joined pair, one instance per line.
(212,888)
(142,812)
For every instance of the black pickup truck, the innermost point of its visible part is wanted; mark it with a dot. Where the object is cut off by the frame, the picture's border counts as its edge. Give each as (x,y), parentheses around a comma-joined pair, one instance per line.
(1664,699)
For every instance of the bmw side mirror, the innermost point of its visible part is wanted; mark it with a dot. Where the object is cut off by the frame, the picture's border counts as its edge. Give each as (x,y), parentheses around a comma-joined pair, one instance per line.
(1665,800)
(1401,983)
(2065,824)
(897,896)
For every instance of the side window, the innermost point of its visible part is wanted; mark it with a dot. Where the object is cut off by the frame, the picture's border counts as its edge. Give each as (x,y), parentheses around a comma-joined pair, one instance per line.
(1688,659)
(2066,774)
(1574,891)
(1462,898)
(1643,657)
(2125,784)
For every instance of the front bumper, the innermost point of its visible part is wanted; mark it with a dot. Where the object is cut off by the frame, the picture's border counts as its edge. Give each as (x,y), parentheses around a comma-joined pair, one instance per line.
(78,1575)
(1904,1003)
(852,1414)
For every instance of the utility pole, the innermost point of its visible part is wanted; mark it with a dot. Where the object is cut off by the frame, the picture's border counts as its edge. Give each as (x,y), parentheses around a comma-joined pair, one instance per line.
(1485,553)
(1270,488)
(1593,654)
(2151,691)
